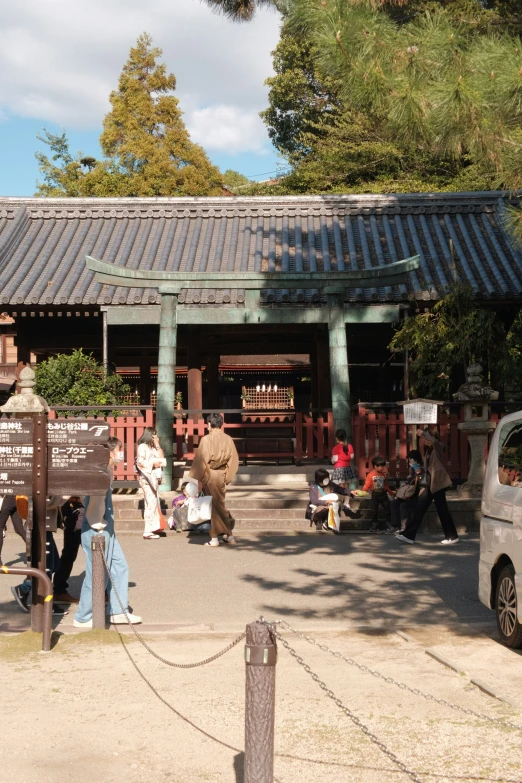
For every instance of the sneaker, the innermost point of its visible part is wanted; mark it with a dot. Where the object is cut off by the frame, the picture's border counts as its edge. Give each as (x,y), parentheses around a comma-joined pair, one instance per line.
(446,541)
(65,598)
(21,599)
(351,514)
(391,531)
(374,529)
(404,539)
(86,624)
(58,611)
(121,619)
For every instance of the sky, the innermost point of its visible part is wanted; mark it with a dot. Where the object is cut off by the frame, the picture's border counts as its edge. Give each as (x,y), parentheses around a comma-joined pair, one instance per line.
(60,59)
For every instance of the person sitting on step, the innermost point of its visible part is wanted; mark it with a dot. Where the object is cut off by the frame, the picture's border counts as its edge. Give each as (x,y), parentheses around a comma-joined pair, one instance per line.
(323,494)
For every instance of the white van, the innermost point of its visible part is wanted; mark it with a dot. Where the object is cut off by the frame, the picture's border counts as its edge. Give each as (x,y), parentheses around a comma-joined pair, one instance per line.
(500,568)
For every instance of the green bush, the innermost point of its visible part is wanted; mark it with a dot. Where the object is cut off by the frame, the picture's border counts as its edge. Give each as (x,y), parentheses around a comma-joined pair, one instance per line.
(77,379)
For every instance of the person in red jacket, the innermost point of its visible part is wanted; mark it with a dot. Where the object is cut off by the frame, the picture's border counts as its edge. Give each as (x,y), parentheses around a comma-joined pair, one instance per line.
(378,486)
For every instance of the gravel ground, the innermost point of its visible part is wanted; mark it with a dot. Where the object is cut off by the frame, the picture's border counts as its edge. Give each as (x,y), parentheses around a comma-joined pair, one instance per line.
(91,709)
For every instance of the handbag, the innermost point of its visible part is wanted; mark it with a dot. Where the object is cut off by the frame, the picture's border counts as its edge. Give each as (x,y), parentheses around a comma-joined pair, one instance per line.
(405,492)
(199,509)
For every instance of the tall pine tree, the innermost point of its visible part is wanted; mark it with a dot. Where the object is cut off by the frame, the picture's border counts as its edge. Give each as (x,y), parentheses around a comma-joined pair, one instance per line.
(144,136)
(147,149)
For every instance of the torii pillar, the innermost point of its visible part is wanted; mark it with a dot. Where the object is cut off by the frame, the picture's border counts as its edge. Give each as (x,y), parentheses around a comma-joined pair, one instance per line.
(167,381)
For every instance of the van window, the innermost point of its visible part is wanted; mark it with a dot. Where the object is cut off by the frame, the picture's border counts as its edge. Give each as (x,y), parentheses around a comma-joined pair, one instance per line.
(510,454)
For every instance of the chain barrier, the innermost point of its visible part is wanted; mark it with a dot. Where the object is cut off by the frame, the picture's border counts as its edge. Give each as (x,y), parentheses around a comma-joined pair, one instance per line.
(347,711)
(390,680)
(150,650)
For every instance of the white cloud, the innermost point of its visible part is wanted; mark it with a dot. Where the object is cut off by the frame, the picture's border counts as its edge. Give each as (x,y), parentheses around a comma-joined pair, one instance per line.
(227,128)
(61,58)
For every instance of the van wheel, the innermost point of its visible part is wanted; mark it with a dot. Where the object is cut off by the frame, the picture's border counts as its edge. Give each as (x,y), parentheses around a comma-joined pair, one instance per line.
(509,628)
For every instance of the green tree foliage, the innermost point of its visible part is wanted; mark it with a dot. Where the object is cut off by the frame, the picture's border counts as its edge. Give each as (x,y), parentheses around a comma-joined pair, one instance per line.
(301,104)
(334,147)
(233,180)
(77,379)
(448,338)
(148,151)
(434,84)
(243,10)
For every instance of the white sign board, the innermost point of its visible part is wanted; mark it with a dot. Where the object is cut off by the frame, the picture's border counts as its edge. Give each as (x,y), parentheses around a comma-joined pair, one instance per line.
(420,412)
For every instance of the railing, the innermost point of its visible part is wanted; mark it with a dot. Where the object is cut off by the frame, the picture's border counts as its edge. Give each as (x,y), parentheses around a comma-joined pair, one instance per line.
(308,436)
(8,370)
(378,428)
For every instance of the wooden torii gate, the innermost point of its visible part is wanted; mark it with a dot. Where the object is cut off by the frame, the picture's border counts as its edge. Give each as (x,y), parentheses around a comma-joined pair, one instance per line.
(170,285)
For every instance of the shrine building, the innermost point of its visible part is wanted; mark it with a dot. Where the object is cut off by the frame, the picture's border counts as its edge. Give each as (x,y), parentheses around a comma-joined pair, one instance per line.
(238,338)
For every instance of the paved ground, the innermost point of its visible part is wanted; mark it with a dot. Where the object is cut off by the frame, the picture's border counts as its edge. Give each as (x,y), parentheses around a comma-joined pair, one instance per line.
(99,707)
(311,580)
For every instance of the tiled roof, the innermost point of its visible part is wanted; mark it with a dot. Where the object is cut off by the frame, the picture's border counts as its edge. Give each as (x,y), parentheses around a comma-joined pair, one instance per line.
(44,242)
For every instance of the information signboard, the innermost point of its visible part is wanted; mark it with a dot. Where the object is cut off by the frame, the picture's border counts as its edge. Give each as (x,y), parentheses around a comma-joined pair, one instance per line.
(420,412)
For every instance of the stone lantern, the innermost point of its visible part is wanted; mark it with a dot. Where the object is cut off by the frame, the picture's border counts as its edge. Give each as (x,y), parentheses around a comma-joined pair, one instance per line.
(476,396)
(26,401)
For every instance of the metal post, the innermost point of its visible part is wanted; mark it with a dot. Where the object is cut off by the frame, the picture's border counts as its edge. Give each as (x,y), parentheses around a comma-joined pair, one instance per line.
(39,516)
(167,381)
(339,375)
(105,342)
(98,581)
(47,590)
(261,658)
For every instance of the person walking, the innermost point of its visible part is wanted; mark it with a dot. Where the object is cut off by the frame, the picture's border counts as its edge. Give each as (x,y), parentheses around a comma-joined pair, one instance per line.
(99,519)
(215,464)
(72,516)
(8,509)
(150,462)
(437,482)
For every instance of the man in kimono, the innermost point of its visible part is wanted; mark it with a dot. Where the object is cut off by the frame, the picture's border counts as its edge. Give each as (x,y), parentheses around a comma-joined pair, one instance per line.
(215,465)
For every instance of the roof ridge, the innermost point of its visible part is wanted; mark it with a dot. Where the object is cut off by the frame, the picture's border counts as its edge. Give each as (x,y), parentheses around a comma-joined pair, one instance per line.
(489,196)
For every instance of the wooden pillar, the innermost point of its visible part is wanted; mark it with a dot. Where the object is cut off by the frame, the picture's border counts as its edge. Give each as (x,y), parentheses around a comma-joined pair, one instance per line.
(194,377)
(339,377)
(105,342)
(324,394)
(145,390)
(213,380)
(167,381)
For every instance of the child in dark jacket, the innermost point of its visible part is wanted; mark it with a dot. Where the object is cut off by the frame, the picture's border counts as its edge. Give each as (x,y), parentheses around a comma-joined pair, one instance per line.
(377,484)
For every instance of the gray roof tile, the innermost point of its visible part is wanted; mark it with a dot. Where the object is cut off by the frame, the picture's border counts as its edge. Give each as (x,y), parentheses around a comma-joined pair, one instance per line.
(43,244)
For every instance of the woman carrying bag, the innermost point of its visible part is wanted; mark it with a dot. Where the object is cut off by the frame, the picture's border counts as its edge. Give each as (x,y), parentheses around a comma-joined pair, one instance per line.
(150,462)
(404,503)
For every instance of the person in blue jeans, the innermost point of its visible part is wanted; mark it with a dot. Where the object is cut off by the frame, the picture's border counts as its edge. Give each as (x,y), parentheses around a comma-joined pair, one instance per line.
(99,518)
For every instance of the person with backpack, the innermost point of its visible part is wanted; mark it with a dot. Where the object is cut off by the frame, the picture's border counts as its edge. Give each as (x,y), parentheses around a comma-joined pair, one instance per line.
(342,456)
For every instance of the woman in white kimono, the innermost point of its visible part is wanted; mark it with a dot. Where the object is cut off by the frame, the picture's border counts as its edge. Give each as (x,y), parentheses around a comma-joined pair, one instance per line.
(149,463)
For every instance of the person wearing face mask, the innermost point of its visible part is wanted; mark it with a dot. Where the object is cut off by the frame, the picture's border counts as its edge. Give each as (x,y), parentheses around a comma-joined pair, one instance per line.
(150,462)
(404,503)
(99,518)
(437,482)
(324,493)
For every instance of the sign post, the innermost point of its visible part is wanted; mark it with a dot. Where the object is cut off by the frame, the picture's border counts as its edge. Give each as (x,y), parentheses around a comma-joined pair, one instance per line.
(41,458)
(420,411)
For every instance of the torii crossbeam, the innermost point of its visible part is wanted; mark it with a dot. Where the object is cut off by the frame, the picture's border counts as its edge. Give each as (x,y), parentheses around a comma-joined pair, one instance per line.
(170,285)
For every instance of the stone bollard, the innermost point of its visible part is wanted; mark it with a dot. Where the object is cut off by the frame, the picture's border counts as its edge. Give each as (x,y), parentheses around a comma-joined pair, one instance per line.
(261,658)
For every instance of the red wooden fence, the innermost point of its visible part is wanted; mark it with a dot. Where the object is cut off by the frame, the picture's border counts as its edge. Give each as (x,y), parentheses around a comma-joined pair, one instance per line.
(386,434)
(306,437)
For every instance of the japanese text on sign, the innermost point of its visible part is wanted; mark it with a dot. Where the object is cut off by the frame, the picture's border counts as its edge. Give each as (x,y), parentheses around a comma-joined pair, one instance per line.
(420,413)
